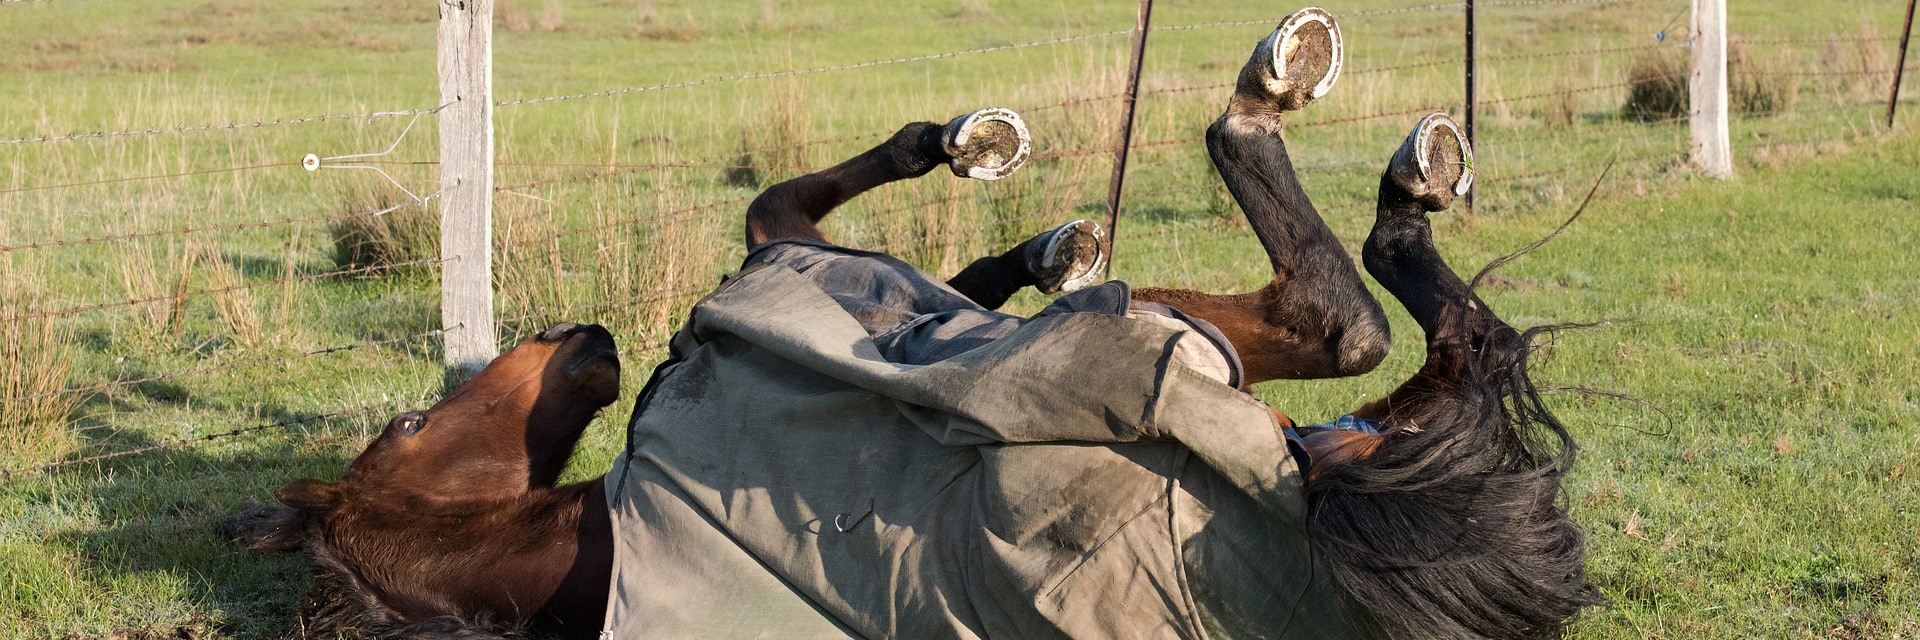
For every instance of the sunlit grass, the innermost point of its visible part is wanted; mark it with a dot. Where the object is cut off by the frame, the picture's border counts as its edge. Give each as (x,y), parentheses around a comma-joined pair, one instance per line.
(1765,321)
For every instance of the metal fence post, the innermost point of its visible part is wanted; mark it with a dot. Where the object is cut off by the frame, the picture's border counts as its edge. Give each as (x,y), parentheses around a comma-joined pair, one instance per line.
(1900,67)
(1711,149)
(1471,141)
(466,183)
(1118,180)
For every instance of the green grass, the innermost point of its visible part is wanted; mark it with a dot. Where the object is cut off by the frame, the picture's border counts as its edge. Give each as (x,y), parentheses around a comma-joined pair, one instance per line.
(1760,486)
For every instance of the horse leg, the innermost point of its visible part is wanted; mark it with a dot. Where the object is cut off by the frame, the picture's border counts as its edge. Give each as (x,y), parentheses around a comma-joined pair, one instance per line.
(988,144)
(1460,489)
(1430,168)
(1066,258)
(1315,319)
(794,208)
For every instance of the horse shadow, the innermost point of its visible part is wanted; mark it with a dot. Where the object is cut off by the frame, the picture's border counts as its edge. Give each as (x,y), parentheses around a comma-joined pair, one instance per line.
(164,512)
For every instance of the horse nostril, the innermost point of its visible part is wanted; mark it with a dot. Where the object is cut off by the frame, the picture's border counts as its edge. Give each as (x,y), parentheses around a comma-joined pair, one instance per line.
(558,332)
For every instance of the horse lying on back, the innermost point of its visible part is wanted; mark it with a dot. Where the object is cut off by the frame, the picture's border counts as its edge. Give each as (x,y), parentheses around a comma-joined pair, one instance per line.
(842,445)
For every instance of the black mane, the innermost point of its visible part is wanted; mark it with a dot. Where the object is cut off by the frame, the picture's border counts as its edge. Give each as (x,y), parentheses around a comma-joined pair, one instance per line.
(1456,525)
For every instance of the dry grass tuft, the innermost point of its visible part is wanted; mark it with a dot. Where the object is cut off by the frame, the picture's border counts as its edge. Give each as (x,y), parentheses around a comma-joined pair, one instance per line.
(505,16)
(1657,86)
(650,26)
(1760,85)
(235,306)
(405,234)
(551,17)
(157,325)
(771,146)
(34,368)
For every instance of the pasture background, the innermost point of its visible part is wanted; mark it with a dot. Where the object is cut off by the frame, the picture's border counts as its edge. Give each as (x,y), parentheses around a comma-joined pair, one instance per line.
(1762,486)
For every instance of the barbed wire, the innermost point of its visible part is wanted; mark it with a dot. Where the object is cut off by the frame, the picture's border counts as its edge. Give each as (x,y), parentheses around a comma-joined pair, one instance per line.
(198,370)
(255,124)
(1558,93)
(203,292)
(175,443)
(214,228)
(185,174)
(761,75)
(1538,3)
(643,298)
(1809,39)
(628,222)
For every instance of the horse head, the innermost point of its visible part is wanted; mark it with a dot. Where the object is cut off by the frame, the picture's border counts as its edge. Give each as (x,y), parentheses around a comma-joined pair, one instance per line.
(445,487)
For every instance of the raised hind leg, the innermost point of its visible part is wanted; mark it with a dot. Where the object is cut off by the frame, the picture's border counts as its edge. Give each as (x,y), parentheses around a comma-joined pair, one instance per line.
(1315,319)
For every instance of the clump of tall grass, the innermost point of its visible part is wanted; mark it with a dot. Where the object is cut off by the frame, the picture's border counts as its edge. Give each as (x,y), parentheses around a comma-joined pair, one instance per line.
(234,304)
(35,369)
(1759,85)
(1657,86)
(773,144)
(165,281)
(1855,65)
(362,239)
(650,26)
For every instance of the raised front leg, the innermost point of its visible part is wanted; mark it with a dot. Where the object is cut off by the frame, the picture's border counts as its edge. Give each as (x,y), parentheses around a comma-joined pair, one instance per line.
(988,144)
(1315,319)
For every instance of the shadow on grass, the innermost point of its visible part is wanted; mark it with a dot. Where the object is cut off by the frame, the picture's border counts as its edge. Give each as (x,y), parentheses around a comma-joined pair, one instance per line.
(161,513)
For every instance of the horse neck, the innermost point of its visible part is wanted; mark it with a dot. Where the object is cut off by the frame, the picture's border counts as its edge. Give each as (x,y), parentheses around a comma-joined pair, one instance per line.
(577,604)
(545,558)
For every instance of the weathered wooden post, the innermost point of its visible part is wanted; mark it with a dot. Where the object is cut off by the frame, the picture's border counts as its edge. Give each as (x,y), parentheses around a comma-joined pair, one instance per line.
(466,185)
(1707,90)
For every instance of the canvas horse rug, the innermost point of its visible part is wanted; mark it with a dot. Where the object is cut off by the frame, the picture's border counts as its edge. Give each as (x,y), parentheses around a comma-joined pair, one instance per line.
(839,445)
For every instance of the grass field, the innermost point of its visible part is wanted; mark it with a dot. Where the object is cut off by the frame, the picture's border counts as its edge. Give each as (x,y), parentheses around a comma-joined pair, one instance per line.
(1758,481)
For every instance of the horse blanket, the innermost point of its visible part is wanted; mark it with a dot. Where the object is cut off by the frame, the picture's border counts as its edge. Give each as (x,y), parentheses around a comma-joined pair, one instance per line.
(841,446)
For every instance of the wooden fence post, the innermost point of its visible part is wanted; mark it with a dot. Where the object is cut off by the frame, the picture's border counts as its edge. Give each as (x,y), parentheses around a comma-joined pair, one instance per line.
(466,185)
(1711,150)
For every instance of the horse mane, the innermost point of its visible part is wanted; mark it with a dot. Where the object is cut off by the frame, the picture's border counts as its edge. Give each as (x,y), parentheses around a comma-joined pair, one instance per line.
(339,606)
(1456,525)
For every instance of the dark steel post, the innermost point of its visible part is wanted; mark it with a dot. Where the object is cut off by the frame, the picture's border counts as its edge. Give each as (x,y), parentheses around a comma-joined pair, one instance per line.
(1126,131)
(1471,141)
(1901,67)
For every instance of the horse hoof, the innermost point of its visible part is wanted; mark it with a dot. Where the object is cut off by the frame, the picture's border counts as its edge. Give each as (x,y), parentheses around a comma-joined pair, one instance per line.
(1435,164)
(988,144)
(1068,258)
(1298,63)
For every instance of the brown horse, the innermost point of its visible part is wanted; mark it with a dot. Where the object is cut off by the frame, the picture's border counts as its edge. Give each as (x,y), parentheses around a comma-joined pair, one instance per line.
(1444,521)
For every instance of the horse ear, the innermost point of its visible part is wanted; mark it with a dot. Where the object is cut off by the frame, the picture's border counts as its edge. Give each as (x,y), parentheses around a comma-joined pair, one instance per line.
(309,495)
(271,529)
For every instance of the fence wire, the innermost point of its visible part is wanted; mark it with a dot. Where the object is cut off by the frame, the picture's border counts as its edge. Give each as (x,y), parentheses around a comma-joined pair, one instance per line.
(180,442)
(229,126)
(606,170)
(85,308)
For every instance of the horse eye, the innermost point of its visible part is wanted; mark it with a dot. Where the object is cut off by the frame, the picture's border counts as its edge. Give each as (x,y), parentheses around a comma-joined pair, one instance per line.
(410,423)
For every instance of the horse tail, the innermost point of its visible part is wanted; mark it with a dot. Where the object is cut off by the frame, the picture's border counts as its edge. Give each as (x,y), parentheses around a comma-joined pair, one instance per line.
(1456,525)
